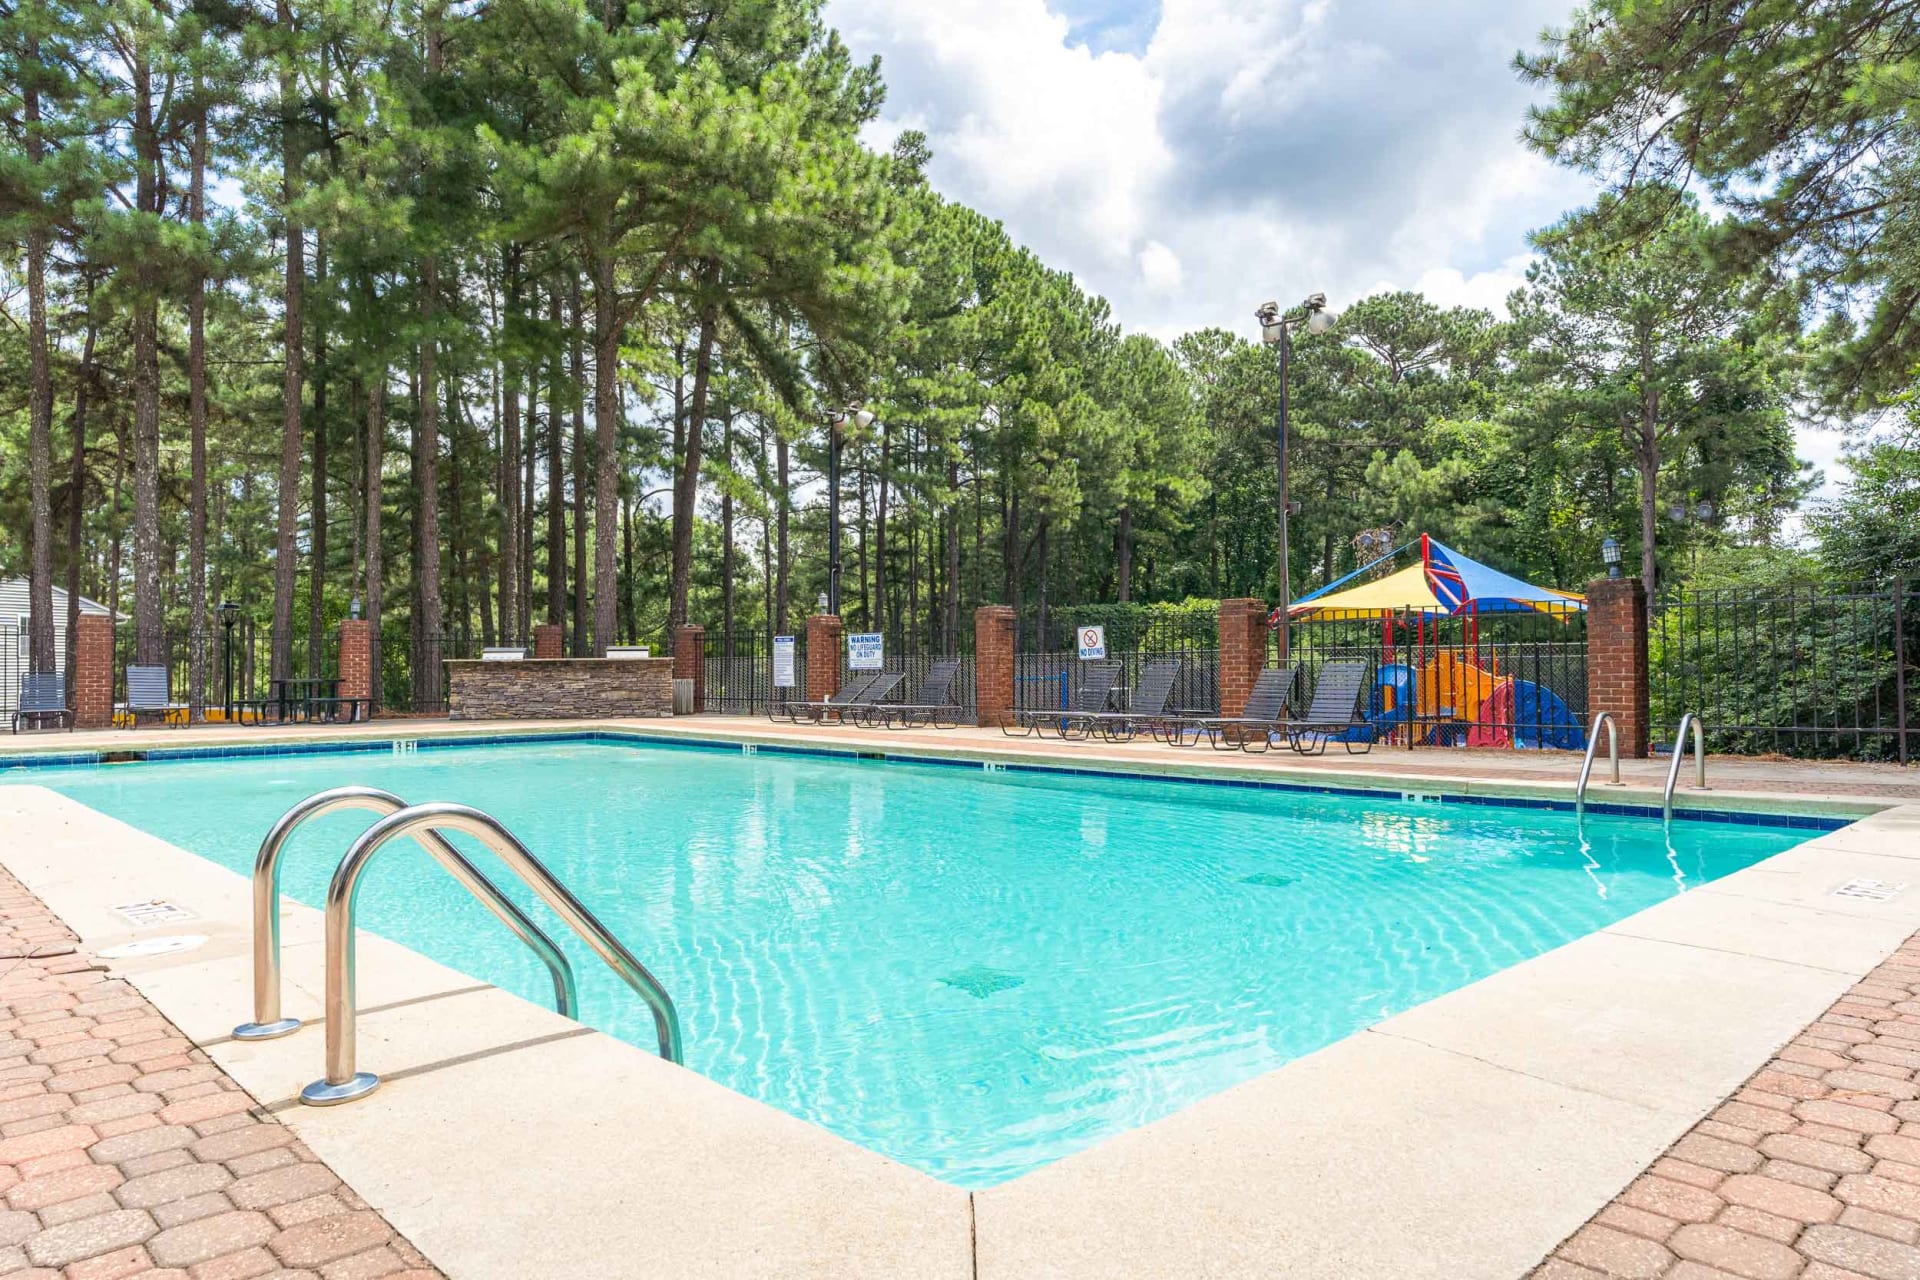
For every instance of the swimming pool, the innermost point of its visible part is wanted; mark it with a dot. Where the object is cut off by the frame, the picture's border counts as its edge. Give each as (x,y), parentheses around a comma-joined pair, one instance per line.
(972,972)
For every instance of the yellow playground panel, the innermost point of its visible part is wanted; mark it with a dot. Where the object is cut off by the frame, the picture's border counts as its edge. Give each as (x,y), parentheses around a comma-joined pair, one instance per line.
(1451,687)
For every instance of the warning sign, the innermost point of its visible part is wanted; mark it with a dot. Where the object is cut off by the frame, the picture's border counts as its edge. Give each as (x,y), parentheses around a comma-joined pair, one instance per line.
(1093,642)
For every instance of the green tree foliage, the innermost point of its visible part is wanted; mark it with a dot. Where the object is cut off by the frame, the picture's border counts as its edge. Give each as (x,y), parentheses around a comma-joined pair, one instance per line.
(1641,350)
(1799,115)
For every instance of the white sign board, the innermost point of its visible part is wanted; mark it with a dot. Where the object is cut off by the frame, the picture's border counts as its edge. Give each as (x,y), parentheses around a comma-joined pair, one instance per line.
(1093,642)
(863,651)
(783,662)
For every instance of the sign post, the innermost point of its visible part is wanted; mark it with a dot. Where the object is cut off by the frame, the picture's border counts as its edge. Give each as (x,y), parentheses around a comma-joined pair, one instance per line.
(1093,643)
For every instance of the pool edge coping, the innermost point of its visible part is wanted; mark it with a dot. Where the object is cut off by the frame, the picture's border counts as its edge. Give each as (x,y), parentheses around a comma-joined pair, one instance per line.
(1089,1199)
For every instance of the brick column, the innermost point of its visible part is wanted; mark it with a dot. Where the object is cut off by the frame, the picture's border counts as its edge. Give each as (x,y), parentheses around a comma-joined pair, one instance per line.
(547,641)
(1243,651)
(690,661)
(1617,659)
(93,672)
(356,659)
(823,656)
(993,644)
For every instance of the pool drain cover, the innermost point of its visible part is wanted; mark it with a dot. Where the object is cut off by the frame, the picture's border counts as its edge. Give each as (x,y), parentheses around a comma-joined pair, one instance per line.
(1871,890)
(980,982)
(154,911)
(1269,880)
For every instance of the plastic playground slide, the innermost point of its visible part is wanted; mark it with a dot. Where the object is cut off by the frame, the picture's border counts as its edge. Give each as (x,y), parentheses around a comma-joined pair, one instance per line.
(1505,712)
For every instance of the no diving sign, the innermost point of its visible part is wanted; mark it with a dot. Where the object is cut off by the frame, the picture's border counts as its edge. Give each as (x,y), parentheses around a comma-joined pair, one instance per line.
(1093,642)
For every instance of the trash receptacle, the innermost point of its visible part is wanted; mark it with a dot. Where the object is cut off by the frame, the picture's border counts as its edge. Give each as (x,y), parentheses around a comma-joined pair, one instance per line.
(683,697)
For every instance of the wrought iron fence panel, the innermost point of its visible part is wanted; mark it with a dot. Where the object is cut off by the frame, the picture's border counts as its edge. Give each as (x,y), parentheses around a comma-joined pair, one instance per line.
(1806,669)
(411,672)
(13,662)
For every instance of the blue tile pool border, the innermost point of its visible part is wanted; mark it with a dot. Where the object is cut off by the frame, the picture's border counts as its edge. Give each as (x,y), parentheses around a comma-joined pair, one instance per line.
(369,746)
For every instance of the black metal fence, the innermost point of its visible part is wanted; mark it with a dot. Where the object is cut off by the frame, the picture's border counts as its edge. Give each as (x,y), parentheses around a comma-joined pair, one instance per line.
(13,662)
(411,670)
(740,671)
(1512,680)
(1048,670)
(1809,670)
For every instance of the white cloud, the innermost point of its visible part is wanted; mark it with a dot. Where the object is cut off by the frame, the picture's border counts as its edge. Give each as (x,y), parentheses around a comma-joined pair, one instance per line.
(1254,148)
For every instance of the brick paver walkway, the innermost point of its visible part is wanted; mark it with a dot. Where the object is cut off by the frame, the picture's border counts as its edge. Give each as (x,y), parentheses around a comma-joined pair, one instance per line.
(125,1152)
(1810,1172)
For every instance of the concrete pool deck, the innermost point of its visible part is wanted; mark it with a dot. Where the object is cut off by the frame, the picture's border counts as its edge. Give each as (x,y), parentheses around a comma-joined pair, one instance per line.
(1467,1137)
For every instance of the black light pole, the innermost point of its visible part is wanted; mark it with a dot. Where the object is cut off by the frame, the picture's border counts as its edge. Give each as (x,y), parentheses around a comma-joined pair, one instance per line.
(1276,330)
(229,614)
(836,430)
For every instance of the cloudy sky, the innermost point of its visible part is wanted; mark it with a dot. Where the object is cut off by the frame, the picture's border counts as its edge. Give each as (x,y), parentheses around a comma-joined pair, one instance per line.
(1189,159)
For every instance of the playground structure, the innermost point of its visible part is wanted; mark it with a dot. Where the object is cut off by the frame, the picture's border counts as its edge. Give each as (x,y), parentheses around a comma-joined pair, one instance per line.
(1438,681)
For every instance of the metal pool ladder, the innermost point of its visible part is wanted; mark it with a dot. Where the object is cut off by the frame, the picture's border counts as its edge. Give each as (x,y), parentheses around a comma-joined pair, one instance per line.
(1586,765)
(342,1082)
(267,1021)
(1687,721)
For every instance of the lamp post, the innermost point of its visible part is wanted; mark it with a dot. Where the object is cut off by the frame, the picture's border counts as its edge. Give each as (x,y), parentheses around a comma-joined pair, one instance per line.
(836,431)
(1276,330)
(229,613)
(1701,513)
(1610,556)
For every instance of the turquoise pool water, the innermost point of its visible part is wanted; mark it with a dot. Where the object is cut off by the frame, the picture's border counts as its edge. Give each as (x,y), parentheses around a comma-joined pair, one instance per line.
(974,973)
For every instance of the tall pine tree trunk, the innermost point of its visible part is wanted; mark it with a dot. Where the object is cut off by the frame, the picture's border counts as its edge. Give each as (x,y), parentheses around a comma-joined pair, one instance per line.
(577,375)
(376,451)
(726,535)
(607,323)
(429,621)
(77,485)
(783,457)
(40,657)
(317,533)
(510,628)
(1123,556)
(556,475)
(293,348)
(686,484)
(880,522)
(149,609)
(197,637)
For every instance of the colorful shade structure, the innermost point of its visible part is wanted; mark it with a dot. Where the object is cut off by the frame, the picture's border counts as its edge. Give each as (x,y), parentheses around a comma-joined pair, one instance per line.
(1444,583)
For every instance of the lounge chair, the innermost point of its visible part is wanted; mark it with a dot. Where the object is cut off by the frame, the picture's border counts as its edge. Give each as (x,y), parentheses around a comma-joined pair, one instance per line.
(1263,715)
(1145,708)
(817,709)
(932,703)
(885,686)
(1096,691)
(1338,696)
(42,695)
(147,694)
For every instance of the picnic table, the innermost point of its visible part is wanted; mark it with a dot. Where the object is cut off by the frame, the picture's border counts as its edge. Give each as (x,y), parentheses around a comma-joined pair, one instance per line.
(305,699)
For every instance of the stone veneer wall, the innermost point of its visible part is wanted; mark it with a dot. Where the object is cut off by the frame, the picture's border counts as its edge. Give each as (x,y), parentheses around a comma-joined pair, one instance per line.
(560,688)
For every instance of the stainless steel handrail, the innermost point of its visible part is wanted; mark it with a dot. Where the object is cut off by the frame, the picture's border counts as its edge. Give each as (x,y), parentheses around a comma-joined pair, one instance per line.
(1687,721)
(343,1082)
(1586,765)
(267,1023)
